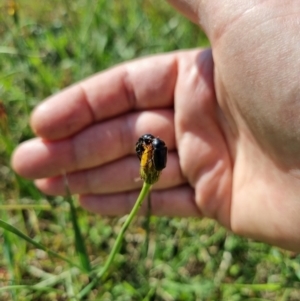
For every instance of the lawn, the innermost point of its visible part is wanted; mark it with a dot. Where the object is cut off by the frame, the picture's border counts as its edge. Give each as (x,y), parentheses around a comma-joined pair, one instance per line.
(46,46)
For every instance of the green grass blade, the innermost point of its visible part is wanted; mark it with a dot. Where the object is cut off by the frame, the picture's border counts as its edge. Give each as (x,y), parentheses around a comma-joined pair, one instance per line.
(30,287)
(268,287)
(145,248)
(79,241)
(20,234)
(9,255)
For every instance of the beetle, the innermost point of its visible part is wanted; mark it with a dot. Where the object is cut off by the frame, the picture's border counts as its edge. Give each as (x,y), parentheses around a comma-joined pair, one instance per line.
(159,154)
(156,147)
(145,140)
(152,153)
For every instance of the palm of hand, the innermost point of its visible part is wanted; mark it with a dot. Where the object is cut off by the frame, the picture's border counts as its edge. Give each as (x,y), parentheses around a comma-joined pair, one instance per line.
(257,86)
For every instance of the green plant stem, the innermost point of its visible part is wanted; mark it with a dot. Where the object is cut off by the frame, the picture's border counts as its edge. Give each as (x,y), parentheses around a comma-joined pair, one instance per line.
(101,275)
(116,247)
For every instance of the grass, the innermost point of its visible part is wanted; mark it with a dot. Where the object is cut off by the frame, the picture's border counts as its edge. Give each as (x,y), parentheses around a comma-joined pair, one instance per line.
(45,46)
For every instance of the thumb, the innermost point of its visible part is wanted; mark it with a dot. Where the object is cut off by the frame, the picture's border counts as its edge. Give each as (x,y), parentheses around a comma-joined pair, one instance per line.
(215,16)
(188,8)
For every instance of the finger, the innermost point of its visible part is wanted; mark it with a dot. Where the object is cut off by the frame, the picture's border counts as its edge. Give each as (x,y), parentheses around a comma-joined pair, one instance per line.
(177,201)
(142,84)
(118,176)
(99,144)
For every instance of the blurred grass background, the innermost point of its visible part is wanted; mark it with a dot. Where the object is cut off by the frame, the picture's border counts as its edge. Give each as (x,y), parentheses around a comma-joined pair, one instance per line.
(46,46)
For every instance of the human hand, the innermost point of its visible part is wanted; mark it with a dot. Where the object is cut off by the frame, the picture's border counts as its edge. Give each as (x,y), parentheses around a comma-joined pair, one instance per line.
(233,157)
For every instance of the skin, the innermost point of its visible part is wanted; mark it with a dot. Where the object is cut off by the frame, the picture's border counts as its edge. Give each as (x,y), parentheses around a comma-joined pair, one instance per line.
(229,116)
